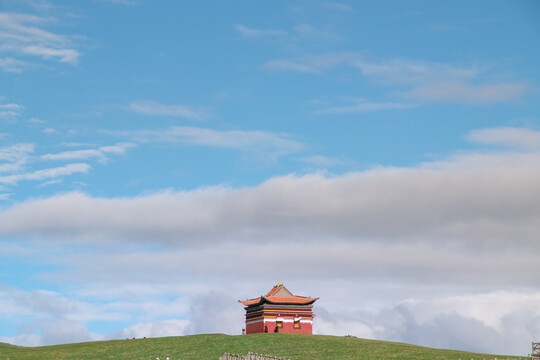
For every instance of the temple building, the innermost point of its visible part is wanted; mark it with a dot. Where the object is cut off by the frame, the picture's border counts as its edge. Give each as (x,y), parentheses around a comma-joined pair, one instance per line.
(279,311)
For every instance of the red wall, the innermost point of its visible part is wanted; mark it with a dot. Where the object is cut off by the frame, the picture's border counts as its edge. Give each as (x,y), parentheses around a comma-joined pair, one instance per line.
(305,328)
(255,328)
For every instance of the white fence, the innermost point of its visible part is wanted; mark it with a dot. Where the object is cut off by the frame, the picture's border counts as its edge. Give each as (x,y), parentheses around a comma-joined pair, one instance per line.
(249,356)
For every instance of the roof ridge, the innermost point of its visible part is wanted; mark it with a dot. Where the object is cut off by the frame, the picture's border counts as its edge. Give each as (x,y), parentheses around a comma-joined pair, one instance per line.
(280,290)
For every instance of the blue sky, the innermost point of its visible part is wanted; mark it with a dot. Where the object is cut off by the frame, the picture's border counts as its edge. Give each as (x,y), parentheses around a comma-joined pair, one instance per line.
(157,157)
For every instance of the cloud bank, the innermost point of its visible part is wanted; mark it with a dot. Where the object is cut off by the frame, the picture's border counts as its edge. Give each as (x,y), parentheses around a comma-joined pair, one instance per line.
(440,254)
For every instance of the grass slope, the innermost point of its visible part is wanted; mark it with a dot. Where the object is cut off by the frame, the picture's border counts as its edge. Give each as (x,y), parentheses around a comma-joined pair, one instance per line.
(211,347)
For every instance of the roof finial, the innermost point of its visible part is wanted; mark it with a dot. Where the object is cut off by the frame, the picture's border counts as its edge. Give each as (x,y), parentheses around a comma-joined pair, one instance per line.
(278,283)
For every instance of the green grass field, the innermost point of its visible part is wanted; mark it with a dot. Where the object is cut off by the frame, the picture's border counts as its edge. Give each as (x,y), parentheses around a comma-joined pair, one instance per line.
(208,347)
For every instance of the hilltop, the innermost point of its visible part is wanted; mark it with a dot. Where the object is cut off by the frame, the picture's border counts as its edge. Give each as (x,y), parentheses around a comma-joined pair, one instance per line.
(212,346)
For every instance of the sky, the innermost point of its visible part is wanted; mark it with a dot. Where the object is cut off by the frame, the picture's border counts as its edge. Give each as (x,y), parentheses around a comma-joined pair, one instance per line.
(161,160)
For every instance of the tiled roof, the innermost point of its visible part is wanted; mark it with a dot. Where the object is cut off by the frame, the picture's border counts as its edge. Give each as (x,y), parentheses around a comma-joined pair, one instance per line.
(294,300)
(280,291)
(251,301)
(273,290)
(284,296)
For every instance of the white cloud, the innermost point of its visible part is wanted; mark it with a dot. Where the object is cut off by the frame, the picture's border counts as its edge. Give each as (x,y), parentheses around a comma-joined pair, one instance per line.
(49,304)
(503,322)
(355,206)
(23,34)
(15,161)
(5,196)
(50,318)
(154,329)
(10,111)
(22,340)
(361,105)
(8,114)
(517,138)
(101,153)
(467,93)
(414,79)
(265,142)
(215,312)
(37,121)
(51,332)
(77,144)
(283,64)
(43,174)
(326,161)
(10,64)
(51,182)
(10,106)
(495,322)
(432,81)
(63,55)
(13,158)
(256,33)
(473,198)
(16,152)
(409,72)
(148,107)
(312,63)
(299,33)
(306,32)
(50,131)
(386,262)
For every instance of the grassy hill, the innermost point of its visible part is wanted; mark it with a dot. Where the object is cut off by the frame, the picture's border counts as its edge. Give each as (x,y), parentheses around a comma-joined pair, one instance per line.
(211,347)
